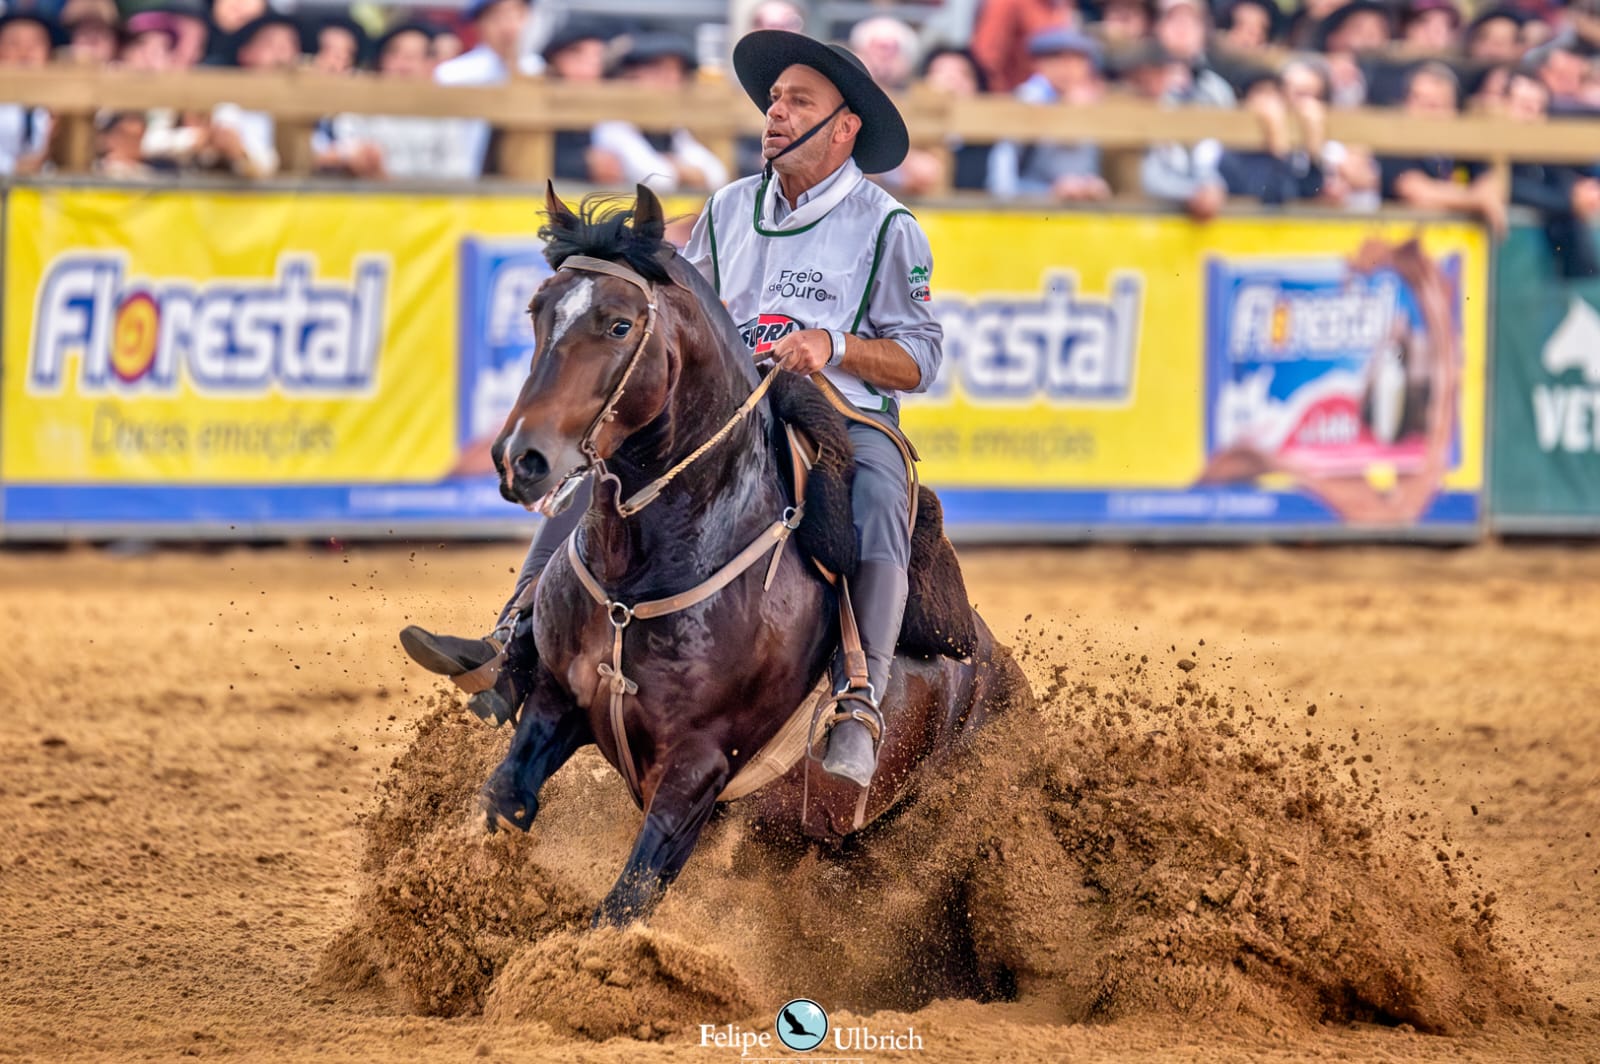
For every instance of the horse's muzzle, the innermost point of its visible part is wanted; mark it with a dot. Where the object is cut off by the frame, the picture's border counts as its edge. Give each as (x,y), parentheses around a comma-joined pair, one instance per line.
(529,468)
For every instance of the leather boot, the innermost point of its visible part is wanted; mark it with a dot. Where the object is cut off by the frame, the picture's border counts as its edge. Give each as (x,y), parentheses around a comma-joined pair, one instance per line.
(489,668)
(878,593)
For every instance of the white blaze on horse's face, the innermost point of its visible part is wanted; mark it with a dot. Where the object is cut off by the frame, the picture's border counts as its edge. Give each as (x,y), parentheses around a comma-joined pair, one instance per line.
(574,305)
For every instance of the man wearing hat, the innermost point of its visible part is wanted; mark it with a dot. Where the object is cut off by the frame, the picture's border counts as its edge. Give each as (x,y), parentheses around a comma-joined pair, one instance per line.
(244,139)
(824,273)
(1067,72)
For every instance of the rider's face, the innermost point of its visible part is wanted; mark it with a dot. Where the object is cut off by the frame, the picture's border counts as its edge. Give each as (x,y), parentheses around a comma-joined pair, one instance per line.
(801,98)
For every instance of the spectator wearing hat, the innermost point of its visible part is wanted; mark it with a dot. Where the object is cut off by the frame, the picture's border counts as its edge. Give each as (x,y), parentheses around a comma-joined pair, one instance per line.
(1430,26)
(1248,26)
(1357,29)
(1281,173)
(26,40)
(336,43)
(91,27)
(577,53)
(1182,27)
(149,43)
(500,25)
(228,20)
(401,146)
(666,162)
(148,39)
(1067,72)
(243,141)
(1003,29)
(1124,23)
(1350,173)
(1429,182)
(1174,173)
(1245,29)
(193,29)
(1495,35)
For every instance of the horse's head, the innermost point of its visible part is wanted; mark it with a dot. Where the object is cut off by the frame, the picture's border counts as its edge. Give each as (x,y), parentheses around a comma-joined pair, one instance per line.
(605,360)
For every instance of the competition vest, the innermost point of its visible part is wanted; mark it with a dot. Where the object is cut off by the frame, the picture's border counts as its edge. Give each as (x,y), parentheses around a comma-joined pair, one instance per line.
(817,276)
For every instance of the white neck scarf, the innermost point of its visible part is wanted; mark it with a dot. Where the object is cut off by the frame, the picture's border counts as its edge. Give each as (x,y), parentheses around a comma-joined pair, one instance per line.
(812,209)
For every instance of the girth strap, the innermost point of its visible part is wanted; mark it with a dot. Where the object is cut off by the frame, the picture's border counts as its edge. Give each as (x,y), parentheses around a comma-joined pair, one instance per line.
(622,615)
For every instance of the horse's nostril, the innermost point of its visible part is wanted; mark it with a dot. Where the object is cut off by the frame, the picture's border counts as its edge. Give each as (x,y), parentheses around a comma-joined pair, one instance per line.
(530,465)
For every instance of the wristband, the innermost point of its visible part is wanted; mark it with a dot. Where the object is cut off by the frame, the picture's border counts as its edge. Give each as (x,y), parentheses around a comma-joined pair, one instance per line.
(837,358)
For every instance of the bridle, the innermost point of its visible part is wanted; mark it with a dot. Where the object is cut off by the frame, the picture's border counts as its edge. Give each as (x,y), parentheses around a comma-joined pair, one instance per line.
(588,447)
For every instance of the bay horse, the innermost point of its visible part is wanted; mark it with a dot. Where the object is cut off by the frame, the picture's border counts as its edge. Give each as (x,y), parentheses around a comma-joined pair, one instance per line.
(636,366)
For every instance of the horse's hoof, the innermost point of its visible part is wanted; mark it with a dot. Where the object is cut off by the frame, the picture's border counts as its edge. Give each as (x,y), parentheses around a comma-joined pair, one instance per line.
(606,917)
(511,814)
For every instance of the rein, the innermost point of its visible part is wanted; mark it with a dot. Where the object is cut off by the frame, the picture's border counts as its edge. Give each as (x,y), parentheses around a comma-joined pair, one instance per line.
(587,447)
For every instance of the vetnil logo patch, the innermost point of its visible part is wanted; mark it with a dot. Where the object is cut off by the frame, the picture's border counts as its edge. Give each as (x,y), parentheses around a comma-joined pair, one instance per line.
(1566,411)
(918,282)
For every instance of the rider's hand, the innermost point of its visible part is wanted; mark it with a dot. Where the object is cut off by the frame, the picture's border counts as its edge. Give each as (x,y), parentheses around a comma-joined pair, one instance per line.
(803,352)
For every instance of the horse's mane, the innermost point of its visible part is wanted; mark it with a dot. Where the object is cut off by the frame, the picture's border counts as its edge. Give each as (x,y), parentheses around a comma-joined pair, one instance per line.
(602,228)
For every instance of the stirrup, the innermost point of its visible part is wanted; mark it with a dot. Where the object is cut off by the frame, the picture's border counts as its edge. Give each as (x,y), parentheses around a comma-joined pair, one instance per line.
(828,714)
(484,676)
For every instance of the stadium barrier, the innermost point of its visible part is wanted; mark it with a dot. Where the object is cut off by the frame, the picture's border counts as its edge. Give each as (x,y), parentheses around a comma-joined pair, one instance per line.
(231,361)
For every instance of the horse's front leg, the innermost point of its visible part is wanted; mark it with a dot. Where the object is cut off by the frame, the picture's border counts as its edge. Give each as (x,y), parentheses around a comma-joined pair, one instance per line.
(550,730)
(691,779)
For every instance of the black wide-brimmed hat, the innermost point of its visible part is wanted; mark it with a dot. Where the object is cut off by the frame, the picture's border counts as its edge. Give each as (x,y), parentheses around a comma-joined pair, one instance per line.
(761,56)
(1340,15)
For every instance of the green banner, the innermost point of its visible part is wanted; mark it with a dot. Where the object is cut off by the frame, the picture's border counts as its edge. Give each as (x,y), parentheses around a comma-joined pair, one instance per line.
(1546,401)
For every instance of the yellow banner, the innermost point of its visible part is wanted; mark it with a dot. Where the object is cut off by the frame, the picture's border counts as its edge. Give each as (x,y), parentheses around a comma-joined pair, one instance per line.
(184,337)
(1076,345)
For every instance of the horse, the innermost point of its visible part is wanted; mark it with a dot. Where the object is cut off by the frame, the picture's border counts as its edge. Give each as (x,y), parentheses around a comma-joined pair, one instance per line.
(638,369)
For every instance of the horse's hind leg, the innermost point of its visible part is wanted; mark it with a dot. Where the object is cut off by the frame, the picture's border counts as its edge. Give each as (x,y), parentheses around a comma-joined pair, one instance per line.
(679,809)
(549,731)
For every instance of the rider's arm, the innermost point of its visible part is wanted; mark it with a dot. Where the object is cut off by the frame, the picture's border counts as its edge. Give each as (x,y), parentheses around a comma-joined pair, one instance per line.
(898,341)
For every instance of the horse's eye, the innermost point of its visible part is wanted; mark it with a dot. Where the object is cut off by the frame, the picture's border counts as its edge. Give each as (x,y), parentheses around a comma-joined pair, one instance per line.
(619,329)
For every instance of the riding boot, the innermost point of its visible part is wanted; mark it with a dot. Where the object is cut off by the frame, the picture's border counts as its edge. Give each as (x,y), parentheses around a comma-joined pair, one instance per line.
(878,594)
(491,669)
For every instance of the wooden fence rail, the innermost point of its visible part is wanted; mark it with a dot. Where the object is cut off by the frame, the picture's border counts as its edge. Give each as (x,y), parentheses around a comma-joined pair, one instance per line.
(529,111)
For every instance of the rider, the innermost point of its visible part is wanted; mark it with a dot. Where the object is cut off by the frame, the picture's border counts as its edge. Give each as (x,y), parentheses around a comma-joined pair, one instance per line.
(825,272)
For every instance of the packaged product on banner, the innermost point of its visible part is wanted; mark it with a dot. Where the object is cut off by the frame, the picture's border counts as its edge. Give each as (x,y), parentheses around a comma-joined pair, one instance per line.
(1322,364)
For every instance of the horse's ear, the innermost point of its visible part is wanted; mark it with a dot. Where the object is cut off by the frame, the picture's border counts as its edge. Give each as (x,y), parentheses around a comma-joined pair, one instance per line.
(558,211)
(648,218)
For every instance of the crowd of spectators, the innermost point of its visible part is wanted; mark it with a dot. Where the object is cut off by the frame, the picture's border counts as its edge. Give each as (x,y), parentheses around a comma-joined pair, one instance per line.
(1526,60)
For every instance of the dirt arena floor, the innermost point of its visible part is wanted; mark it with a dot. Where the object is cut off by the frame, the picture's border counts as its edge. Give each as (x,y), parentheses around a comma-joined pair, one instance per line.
(1300,803)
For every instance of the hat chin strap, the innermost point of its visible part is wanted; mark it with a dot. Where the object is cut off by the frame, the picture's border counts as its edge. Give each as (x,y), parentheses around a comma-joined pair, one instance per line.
(807,135)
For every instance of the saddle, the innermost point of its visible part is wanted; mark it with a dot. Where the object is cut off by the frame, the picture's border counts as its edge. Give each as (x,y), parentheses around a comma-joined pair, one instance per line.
(938,617)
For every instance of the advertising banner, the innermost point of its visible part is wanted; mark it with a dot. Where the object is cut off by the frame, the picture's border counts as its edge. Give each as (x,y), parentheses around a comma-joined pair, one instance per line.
(1109,372)
(181,357)
(1546,392)
(335,360)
